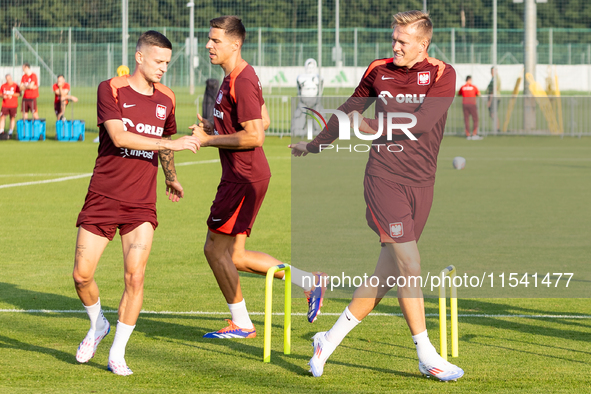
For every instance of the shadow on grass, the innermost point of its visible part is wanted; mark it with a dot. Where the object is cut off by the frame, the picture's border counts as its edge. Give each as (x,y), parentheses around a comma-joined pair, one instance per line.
(34,300)
(190,334)
(68,358)
(152,326)
(488,339)
(296,363)
(526,325)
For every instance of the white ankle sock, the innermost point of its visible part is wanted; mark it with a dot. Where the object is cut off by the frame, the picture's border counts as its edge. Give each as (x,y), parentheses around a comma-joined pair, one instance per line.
(240,315)
(425,349)
(122,335)
(97,321)
(342,327)
(303,279)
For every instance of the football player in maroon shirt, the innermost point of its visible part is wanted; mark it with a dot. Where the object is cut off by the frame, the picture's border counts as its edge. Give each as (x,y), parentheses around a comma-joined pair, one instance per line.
(240,120)
(398,184)
(136,119)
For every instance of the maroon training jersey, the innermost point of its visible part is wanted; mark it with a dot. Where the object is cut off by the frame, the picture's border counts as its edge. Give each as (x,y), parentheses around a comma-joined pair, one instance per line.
(240,99)
(127,174)
(426,90)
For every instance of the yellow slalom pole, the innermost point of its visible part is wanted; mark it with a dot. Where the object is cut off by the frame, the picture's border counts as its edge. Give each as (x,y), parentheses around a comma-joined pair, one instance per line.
(287,309)
(451,271)
(442,319)
(269,311)
(454,316)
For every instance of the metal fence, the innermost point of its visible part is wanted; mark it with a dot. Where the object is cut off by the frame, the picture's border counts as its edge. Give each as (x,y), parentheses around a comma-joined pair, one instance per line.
(564,116)
(87,56)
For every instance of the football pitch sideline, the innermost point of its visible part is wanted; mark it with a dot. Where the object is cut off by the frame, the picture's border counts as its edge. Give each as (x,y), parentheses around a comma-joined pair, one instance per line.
(520,200)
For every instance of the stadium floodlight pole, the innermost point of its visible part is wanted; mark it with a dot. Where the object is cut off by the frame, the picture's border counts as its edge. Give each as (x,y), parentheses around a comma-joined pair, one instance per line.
(191,5)
(13,50)
(163,80)
(109,60)
(550,44)
(260,47)
(355,50)
(70,54)
(424,5)
(337,43)
(495,91)
(319,62)
(124,31)
(529,113)
(453,45)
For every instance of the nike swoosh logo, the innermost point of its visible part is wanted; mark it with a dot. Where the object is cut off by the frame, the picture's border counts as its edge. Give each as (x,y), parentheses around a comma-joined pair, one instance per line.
(385,78)
(347,316)
(125,105)
(215,220)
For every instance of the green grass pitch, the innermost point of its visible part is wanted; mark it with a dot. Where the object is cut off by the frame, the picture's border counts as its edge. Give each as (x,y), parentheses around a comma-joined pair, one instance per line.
(538,180)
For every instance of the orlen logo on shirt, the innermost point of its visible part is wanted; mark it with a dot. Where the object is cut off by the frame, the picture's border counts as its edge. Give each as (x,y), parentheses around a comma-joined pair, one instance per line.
(143,128)
(218,114)
(402,98)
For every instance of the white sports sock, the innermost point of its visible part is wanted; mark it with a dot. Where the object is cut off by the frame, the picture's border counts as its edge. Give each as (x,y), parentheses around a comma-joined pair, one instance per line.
(342,327)
(122,335)
(303,279)
(425,349)
(97,321)
(240,315)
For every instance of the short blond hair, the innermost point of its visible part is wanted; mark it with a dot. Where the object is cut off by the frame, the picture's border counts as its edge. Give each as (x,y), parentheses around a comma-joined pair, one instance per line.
(420,19)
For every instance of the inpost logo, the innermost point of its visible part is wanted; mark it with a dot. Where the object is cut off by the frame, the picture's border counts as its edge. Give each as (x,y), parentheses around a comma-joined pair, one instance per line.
(391,121)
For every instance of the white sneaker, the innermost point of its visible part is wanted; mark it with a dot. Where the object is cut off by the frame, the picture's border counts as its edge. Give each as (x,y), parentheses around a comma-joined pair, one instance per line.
(88,346)
(476,137)
(119,368)
(469,137)
(443,370)
(322,351)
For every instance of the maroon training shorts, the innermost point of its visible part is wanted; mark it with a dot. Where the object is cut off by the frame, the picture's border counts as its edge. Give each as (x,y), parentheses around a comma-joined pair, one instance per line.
(103,216)
(236,206)
(470,110)
(29,105)
(8,111)
(57,106)
(397,213)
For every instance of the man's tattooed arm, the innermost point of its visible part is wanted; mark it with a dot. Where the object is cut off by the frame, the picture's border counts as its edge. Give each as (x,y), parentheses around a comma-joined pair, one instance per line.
(167,161)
